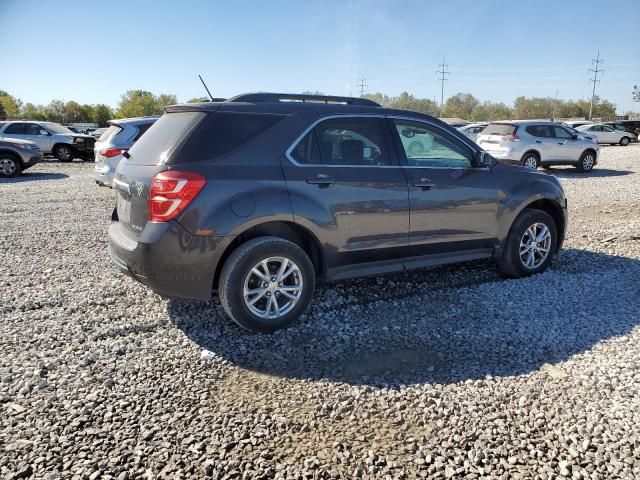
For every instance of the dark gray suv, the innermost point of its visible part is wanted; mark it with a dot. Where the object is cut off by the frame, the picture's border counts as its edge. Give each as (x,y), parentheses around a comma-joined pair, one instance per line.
(263,195)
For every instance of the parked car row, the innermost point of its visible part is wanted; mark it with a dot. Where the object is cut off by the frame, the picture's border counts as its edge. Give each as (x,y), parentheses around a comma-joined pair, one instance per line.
(264,195)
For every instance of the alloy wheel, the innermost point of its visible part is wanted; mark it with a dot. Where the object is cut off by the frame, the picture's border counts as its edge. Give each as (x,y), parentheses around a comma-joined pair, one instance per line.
(587,162)
(273,287)
(535,246)
(531,162)
(64,153)
(7,166)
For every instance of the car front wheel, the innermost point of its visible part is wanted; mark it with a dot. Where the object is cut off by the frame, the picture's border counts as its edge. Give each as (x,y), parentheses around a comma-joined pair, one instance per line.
(64,153)
(266,284)
(531,160)
(9,166)
(531,244)
(587,161)
(624,141)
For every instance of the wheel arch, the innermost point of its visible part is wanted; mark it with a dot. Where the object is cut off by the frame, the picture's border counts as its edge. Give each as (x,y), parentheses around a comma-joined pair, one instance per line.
(553,209)
(58,144)
(291,231)
(11,153)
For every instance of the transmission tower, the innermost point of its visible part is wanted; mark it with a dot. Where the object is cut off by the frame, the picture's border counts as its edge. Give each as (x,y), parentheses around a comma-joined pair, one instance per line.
(596,71)
(636,93)
(362,85)
(443,75)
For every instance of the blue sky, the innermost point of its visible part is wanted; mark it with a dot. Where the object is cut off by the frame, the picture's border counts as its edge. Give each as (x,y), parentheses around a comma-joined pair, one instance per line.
(93,51)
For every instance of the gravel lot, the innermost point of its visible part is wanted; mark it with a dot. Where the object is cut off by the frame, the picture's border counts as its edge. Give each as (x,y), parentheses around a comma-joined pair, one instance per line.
(446,373)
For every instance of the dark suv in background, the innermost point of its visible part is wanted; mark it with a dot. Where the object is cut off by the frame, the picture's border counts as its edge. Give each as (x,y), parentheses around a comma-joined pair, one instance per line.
(263,195)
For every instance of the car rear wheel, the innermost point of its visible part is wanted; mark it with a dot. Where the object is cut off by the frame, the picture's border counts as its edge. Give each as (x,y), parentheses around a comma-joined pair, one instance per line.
(266,284)
(9,166)
(624,141)
(531,160)
(64,153)
(587,161)
(531,244)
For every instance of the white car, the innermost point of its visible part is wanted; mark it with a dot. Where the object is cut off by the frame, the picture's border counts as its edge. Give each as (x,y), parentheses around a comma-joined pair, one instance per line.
(608,134)
(578,123)
(473,130)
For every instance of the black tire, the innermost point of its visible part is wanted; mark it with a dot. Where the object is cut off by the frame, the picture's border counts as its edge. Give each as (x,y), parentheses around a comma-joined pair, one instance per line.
(64,153)
(10,166)
(530,159)
(239,265)
(624,141)
(510,262)
(586,162)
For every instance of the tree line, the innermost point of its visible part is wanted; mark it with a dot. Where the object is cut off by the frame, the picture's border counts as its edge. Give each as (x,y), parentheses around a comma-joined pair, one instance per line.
(138,103)
(133,103)
(468,107)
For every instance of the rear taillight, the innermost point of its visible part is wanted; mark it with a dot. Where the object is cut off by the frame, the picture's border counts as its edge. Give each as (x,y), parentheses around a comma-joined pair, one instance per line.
(170,193)
(511,138)
(112,152)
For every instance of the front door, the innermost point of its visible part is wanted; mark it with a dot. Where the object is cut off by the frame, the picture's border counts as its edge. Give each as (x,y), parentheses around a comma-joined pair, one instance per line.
(347,187)
(453,203)
(568,147)
(38,135)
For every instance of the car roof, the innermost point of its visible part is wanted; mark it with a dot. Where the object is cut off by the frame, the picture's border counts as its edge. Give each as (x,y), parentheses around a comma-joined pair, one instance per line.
(525,122)
(125,121)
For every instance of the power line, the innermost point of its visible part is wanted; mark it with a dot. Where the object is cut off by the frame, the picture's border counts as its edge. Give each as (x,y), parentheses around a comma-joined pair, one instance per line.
(362,85)
(596,61)
(442,76)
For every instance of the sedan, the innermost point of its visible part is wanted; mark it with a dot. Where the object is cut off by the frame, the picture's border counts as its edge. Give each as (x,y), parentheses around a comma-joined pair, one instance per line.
(608,134)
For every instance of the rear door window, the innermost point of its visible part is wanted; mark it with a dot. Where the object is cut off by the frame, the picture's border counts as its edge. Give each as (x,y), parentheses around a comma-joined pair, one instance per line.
(156,146)
(16,129)
(110,133)
(141,129)
(541,131)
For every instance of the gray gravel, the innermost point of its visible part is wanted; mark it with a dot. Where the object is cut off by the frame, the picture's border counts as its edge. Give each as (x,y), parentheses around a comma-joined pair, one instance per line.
(446,373)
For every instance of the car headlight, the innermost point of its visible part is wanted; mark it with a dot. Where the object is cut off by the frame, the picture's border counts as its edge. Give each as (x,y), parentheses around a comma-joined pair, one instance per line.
(78,140)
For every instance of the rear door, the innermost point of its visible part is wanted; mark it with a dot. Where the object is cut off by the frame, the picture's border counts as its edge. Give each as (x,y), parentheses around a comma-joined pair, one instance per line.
(346,186)
(543,141)
(454,204)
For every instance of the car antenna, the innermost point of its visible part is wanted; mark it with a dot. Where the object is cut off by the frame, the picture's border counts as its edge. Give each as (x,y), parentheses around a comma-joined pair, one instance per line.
(205,87)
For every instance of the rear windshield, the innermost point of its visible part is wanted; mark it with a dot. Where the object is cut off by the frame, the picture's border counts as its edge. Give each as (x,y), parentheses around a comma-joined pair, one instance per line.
(500,129)
(109,133)
(222,132)
(157,143)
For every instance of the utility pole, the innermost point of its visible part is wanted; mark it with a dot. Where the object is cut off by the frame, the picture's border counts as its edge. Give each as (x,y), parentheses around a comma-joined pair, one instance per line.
(636,93)
(443,75)
(362,85)
(597,70)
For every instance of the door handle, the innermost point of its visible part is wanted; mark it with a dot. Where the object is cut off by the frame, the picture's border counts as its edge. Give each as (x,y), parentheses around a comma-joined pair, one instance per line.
(538,141)
(321,180)
(424,184)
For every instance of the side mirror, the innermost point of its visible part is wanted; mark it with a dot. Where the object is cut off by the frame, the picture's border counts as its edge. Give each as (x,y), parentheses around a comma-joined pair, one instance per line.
(574,136)
(483,159)
(43,132)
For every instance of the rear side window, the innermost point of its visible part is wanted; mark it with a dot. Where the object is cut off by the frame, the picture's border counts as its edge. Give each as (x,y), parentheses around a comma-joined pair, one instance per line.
(543,131)
(16,129)
(141,129)
(500,129)
(110,133)
(222,132)
(157,144)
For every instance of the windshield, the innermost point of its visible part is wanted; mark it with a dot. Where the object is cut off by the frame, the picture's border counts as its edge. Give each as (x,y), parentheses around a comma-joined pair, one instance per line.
(56,128)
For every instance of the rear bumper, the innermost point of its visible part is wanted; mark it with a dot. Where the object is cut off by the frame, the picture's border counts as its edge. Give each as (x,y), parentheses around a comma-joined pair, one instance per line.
(168,259)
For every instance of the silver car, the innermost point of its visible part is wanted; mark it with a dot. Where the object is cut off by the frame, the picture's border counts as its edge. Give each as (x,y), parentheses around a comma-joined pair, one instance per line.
(17,155)
(472,131)
(114,142)
(535,143)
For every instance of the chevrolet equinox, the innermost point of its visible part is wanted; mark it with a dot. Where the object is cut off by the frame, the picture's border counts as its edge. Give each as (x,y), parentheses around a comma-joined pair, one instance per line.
(263,195)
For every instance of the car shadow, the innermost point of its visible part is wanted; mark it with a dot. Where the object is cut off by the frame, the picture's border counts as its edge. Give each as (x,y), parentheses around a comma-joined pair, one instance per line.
(458,323)
(34,176)
(571,172)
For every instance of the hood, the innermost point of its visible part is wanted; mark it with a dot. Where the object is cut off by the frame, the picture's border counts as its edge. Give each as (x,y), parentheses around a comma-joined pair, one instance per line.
(18,141)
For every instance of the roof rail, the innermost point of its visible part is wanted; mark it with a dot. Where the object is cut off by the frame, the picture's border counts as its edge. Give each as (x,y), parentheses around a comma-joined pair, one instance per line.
(294,97)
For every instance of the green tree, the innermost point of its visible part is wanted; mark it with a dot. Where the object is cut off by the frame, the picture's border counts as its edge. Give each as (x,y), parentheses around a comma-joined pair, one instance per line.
(3,114)
(140,103)
(10,105)
(379,98)
(33,112)
(407,101)
(489,111)
(460,106)
(101,114)
(198,100)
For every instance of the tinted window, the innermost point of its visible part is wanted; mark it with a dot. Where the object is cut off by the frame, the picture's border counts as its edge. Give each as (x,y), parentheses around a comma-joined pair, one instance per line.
(109,133)
(16,129)
(141,129)
(562,133)
(607,128)
(307,150)
(427,146)
(597,128)
(352,141)
(33,129)
(56,128)
(543,131)
(156,146)
(222,132)
(500,129)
